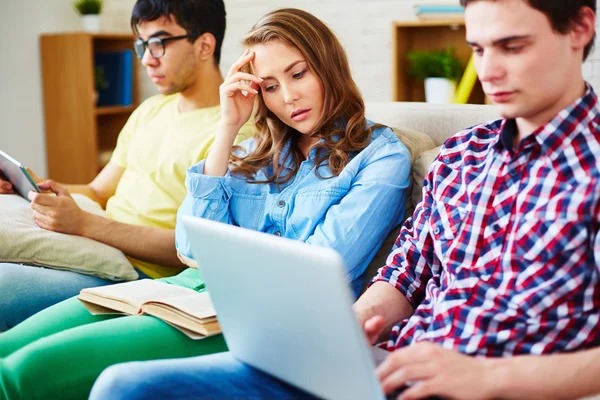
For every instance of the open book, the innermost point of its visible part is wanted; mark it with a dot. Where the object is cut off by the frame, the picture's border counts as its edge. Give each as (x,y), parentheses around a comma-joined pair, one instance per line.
(189,311)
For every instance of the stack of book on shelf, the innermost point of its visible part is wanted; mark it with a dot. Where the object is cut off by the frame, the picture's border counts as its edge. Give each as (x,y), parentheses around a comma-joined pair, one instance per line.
(114,77)
(438,9)
(185,309)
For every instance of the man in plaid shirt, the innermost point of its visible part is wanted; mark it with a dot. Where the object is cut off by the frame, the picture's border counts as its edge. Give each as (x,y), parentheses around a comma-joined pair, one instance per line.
(501,256)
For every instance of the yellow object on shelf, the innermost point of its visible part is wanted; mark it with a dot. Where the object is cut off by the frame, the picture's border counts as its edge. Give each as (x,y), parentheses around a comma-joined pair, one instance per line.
(467,82)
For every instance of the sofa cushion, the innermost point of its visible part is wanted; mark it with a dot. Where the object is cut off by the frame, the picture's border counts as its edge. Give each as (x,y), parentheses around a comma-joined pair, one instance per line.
(420,168)
(438,121)
(416,143)
(25,242)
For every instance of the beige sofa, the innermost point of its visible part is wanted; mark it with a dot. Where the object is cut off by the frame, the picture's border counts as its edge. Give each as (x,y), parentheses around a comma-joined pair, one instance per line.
(422,128)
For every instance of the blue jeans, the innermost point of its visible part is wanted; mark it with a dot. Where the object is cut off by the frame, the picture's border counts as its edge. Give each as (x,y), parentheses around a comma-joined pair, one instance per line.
(217,376)
(26,290)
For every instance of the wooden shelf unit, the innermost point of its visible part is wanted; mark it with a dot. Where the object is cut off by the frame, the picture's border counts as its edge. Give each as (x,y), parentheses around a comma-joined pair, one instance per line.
(76,130)
(423,35)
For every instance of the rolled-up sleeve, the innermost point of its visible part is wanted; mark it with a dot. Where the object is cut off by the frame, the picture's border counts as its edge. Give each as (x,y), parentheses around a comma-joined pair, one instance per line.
(207,197)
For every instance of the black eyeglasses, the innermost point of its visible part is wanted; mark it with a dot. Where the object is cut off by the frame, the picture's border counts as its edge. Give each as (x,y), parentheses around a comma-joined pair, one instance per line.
(156,45)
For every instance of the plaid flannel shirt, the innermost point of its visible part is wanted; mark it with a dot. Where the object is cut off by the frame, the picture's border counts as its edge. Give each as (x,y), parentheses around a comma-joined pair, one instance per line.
(502,255)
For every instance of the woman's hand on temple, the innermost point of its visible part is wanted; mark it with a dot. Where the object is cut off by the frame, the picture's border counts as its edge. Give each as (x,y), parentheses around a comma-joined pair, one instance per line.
(237,94)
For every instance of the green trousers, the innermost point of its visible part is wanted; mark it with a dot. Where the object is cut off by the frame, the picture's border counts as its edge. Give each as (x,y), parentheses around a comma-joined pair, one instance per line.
(59,352)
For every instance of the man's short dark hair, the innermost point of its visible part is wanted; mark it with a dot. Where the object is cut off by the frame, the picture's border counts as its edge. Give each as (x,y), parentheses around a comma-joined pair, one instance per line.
(195,16)
(561,13)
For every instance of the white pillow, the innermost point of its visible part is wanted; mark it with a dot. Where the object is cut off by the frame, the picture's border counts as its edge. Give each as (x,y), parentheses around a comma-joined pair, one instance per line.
(22,241)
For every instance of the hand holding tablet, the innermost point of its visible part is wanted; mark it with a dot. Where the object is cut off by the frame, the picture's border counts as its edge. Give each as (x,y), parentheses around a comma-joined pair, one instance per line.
(14,172)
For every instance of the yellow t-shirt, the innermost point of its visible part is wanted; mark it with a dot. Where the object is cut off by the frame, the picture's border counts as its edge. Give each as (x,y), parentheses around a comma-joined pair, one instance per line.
(156,147)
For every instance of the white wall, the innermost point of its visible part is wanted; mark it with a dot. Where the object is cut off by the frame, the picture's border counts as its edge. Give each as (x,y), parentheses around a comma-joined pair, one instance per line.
(363,26)
(21,112)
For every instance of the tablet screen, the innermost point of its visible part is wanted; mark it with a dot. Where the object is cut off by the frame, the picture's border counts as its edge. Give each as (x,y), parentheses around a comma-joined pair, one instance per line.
(17,174)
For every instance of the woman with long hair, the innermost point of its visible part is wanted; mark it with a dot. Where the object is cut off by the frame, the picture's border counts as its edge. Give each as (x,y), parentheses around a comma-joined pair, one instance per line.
(316,170)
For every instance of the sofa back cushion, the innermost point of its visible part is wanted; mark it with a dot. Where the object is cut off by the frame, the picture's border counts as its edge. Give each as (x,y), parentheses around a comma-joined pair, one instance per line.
(417,143)
(438,121)
(419,171)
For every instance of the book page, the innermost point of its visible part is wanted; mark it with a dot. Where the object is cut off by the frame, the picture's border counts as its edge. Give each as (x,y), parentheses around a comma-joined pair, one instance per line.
(193,312)
(206,326)
(189,333)
(197,305)
(128,297)
(96,309)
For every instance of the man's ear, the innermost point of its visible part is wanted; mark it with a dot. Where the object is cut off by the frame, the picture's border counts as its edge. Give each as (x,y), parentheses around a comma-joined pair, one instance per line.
(583,28)
(205,46)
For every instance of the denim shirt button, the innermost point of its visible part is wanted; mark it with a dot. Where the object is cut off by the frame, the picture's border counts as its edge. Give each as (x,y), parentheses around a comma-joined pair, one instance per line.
(281,203)
(277,233)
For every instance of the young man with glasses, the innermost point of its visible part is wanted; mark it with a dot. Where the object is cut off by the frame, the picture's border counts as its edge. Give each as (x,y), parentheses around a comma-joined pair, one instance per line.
(179,44)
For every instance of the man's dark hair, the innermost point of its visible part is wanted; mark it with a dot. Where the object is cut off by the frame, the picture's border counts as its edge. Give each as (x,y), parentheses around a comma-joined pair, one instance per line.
(561,13)
(195,16)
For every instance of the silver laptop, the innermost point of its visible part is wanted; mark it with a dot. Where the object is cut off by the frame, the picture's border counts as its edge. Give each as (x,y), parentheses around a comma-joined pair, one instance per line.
(285,308)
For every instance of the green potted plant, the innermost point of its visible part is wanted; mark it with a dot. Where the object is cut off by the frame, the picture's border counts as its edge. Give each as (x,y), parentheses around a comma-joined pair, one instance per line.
(440,70)
(89,10)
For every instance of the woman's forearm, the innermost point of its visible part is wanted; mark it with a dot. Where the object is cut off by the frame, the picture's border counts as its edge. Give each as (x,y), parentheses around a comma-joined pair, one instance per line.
(217,161)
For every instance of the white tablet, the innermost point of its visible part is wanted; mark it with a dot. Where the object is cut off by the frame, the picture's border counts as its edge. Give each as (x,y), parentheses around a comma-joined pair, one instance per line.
(17,174)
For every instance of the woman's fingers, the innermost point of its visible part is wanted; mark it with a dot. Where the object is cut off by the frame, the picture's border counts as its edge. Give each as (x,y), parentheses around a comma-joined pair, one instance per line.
(241,62)
(242,76)
(247,83)
(240,86)
(237,81)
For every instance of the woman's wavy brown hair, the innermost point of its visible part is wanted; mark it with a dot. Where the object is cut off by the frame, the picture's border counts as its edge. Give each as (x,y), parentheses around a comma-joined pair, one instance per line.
(342,127)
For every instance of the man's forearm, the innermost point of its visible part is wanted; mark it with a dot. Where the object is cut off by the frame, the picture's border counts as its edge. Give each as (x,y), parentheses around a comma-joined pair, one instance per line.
(86,190)
(155,245)
(561,376)
(385,300)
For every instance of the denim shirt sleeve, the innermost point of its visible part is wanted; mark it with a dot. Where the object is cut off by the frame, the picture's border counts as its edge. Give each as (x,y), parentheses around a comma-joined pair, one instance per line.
(207,197)
(357,225)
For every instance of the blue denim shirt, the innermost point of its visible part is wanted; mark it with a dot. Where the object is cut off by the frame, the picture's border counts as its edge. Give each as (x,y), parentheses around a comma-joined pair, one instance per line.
(351,213)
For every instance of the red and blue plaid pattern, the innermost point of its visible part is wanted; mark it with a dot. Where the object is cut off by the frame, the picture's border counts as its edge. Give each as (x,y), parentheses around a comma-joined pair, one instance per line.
(502,255)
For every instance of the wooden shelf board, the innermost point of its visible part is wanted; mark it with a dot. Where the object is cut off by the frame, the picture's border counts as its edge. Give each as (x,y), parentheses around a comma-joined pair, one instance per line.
(430,22)
(113,35)
(114,110)
(96,35)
